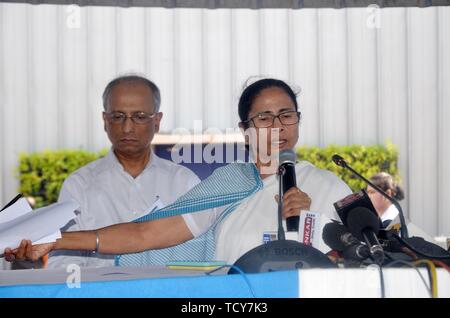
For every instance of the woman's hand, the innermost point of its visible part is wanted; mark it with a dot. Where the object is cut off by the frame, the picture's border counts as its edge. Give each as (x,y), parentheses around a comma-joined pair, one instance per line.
(28,251)
(294,201)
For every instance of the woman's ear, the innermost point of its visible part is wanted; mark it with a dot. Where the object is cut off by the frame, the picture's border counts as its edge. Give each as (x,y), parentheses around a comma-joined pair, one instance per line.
(241,127)
(389,193)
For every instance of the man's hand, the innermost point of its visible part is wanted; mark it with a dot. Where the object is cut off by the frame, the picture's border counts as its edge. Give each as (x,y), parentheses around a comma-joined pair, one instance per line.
(28,251)
(294,200)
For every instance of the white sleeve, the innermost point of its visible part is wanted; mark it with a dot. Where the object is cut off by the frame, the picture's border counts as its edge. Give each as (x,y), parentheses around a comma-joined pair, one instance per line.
(341,190)
(71,190)
(200,222)
(193,180)
(325,188)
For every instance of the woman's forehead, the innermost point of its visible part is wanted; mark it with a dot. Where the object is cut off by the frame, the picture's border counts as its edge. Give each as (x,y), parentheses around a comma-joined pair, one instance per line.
(276,111)
(272,98)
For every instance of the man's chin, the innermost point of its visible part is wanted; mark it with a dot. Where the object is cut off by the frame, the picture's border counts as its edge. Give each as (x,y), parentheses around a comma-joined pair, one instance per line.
(130,149)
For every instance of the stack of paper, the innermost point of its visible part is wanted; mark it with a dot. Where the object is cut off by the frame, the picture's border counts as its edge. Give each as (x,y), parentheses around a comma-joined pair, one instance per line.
(43,225)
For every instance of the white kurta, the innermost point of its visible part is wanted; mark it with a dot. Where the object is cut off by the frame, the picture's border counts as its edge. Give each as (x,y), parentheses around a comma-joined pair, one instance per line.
(108,195)
(243,229)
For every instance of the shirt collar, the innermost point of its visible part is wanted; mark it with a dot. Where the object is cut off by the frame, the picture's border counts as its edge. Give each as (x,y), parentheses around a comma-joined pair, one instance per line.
(390,214)
(111,162)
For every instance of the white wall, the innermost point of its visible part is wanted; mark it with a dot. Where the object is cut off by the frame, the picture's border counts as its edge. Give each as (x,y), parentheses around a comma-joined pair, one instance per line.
(364,80)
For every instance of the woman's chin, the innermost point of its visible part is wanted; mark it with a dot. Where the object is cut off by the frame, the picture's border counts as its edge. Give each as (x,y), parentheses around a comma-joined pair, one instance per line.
(278,146)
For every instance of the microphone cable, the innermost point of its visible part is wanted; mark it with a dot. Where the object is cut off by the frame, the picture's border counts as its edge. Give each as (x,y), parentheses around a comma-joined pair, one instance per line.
(432,275)
(409,264)
(241,273)
(442,264)
(417,251)
(380,272)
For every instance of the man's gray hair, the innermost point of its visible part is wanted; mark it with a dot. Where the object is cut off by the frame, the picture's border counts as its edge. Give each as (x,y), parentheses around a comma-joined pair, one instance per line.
(132,79)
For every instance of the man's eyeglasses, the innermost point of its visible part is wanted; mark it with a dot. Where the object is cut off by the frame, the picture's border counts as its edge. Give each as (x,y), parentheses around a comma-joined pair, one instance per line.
(139,118)
(265,120)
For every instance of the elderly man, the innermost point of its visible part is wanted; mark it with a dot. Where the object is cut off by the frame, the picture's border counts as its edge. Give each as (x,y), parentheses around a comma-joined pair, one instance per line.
(124,184)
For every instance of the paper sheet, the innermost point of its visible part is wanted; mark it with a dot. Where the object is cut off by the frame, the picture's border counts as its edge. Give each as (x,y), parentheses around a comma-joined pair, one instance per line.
(41,225)
(22,207)
(19,208)
(157,205)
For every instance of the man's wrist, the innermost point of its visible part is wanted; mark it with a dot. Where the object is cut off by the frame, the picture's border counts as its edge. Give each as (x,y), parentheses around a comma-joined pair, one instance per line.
(97,242)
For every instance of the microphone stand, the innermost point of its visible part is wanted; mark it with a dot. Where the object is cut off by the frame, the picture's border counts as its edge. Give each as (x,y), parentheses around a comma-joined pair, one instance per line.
(281,234)
(403,229)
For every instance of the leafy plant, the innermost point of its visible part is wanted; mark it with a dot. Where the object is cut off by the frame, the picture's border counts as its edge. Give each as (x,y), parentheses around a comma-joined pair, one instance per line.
(41,174)
(367,160)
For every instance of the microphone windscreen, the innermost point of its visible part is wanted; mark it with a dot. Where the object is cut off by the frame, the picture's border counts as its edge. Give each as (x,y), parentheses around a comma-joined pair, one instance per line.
(331,235)
(359,219)
(338,160)
(287,156)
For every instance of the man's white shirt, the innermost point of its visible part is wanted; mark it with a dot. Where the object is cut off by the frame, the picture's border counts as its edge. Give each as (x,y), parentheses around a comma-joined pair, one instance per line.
(108,195)
(390,213)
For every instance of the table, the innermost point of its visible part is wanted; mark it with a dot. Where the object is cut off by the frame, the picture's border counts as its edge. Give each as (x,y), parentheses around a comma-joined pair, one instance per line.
(161,282)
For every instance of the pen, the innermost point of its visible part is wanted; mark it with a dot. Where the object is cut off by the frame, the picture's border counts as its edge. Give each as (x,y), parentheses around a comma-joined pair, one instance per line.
(16,198)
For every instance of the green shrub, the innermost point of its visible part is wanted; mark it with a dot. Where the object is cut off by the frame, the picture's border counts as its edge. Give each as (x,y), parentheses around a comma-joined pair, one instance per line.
(367,160)
(41,174)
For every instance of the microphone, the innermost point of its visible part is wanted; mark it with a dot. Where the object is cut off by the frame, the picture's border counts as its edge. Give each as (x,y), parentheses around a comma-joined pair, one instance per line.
(287,159)
(282,254)
(416,244)
(338,160)
(365,226)
(337,237)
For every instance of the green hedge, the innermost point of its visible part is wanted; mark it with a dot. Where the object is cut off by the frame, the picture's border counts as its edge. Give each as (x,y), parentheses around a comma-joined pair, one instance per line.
(41,174)
(367,160)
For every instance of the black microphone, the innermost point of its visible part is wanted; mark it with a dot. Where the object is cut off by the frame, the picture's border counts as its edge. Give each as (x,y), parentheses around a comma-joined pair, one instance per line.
(287,159)
(338,160)
(282,254)
(365,225)
(338,238)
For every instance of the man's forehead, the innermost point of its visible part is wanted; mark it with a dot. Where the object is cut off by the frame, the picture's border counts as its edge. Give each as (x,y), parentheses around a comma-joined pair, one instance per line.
(125,95)
(132,86)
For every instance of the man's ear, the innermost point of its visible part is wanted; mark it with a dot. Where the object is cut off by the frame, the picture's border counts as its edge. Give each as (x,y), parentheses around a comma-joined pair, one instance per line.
(158,118)
(104,121)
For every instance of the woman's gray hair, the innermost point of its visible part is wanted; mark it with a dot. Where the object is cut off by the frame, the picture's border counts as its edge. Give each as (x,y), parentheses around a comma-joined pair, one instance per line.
(132,79)
(386,182)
